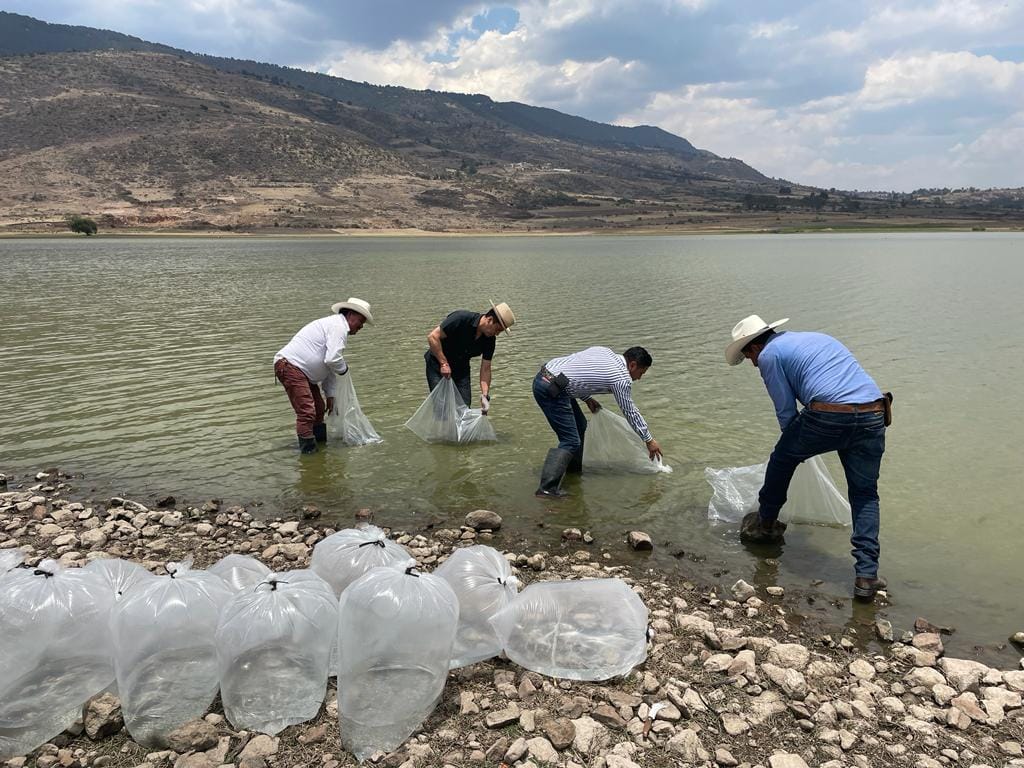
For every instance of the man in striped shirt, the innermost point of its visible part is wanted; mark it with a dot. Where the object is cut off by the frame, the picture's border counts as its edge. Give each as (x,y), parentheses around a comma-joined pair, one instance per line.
(580,376)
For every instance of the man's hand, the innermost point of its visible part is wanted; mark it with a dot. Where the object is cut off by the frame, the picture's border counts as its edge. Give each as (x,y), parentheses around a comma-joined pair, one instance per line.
(653,449)
(330,405)
(593,405)
(485,404)
(446,370)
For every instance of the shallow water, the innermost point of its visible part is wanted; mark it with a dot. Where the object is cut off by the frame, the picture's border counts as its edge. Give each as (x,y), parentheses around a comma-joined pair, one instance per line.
(146,365)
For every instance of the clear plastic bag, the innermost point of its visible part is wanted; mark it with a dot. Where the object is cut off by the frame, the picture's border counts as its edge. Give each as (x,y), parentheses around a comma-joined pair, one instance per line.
(239,571)
(593,629)
(9,560)
(396,628)
(347,421)
(344,556)
(444,418)
(273,645)
(482,580)
(813,497)
(164,651)
(120,575)
(611,444)
(735,491)
(55,648)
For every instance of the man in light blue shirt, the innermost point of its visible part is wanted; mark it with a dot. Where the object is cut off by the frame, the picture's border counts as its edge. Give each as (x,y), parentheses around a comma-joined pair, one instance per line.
(844,411)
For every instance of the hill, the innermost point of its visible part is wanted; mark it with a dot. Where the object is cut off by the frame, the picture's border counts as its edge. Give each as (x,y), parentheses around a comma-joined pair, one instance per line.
(139,134)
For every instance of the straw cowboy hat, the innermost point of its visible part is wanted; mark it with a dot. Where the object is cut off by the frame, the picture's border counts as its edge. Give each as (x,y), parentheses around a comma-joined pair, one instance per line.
(505,316)
(356,305)
(746,329)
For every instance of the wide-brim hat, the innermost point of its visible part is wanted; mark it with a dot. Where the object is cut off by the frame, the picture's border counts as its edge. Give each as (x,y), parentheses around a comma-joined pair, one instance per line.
(505,315)
(746,329)
(356,305)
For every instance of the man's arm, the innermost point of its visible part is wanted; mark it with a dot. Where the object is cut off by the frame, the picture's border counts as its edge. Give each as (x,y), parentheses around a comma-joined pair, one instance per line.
(485,385)
(337,336)
(777,384)
(434,339)
(623,393)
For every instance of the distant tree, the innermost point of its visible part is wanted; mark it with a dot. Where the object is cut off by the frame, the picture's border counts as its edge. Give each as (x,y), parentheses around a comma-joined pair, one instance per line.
(82,225)
(785,190)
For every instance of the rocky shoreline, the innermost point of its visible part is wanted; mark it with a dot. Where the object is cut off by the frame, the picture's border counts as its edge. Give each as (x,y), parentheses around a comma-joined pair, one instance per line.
(731,679)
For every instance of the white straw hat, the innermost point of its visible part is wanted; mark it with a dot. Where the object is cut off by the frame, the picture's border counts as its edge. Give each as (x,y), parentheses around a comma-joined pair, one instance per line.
(505,316)
(356,305)
(746,329)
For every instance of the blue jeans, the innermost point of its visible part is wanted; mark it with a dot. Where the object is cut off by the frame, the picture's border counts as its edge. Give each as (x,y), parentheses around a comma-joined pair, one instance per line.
(460,377)
(563,414)
(859,438)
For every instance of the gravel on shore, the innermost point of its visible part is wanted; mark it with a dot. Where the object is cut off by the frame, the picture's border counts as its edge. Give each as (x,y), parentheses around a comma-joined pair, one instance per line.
(731,678)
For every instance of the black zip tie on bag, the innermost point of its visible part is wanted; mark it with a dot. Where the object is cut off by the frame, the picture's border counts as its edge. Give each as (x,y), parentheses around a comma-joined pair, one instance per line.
(378,542)
(410,569)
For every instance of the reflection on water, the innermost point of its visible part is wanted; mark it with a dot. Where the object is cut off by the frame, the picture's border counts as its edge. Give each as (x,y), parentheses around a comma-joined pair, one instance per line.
(146,364)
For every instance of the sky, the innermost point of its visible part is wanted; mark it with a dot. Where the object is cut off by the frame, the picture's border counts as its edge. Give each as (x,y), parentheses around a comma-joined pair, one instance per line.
(866,95)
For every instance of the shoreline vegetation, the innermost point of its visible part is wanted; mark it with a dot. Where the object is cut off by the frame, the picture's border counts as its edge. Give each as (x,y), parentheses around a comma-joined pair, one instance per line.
(332,233)
(733,677)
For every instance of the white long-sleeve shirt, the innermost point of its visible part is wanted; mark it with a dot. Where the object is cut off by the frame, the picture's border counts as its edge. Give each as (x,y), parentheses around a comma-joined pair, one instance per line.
(316,351)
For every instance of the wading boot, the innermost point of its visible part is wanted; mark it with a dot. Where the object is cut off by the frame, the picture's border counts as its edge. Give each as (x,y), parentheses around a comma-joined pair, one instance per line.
(307,444)
(576,465)
(754,530)
(865,587)
(555,464)
(320,433)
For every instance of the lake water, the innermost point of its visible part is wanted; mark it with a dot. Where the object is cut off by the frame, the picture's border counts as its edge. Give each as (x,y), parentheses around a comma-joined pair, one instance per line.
(147,365)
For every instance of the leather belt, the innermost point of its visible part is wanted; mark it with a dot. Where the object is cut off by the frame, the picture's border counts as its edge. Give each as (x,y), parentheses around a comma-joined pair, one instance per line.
(876,406)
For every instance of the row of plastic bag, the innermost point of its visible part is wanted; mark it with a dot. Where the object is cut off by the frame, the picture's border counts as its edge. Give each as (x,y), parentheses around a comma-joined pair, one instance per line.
(265,640)
(813,497)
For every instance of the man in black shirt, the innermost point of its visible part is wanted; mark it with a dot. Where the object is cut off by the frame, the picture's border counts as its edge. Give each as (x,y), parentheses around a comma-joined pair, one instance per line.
(463,335)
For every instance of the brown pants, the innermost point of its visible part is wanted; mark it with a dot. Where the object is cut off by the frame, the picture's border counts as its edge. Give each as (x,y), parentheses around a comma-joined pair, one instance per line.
(304,395)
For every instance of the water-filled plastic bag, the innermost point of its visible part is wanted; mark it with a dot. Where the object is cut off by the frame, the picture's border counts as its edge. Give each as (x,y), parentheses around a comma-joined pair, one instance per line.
(593,629)
(55,651)
(239,571)
(164,651)
(9,560)
(483,582)
(347,422)
(273,645)
(120,575)
(611,444)
(344,556)
(812,499)
(445,418)
(396,628)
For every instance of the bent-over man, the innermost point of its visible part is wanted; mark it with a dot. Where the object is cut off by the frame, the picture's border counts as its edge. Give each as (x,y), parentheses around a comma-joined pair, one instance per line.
(844,411)
(461,336)
(311,360)
(580,376)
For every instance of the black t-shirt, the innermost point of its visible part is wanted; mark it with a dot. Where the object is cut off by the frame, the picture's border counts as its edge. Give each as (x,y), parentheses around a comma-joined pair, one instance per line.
(461,342)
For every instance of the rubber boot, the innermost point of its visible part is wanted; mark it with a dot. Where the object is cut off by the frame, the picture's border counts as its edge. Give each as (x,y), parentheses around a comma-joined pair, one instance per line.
(555,464)
(576,465)
(307,444)
(320,433)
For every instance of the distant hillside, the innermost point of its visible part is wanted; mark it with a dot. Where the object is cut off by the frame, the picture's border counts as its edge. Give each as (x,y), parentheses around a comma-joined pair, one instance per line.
(23,34)
(140,134)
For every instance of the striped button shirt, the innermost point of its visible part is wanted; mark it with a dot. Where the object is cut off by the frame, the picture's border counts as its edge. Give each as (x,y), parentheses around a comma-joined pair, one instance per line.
(596,371)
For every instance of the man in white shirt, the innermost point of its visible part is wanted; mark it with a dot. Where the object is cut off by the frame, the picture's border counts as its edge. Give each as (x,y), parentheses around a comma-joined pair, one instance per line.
(310,361)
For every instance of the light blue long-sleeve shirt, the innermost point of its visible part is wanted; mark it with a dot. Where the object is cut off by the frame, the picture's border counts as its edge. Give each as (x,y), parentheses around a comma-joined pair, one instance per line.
(809,366)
